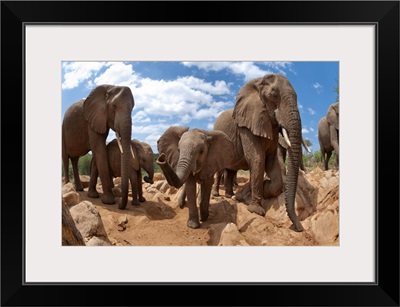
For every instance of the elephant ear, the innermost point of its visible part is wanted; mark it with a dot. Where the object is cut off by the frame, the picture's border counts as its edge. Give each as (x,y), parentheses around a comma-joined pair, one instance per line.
(142,149)
(220,153)
(168,144)
(332,116)
(94,108)
(250,111)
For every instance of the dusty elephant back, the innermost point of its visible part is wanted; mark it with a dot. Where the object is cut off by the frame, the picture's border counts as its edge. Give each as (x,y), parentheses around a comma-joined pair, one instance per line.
(226,124)
(114,158)
(75,131)
(324,134)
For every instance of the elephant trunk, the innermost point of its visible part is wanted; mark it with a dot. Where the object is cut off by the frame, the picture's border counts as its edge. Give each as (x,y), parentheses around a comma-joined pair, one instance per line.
(293,126)
(126,159)
(178,178)
(150,172)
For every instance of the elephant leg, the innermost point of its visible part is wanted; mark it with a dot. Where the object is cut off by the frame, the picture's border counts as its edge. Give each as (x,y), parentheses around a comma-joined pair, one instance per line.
(133,178)
(274,186)
(323,156)
(182,197)
(328,156)
(139,186)
(335,143)
(98,146)
(78,184)
(94,173)
(193,221)
(229,182)
(205,194)
(217,180)
(255,156)
(65,167)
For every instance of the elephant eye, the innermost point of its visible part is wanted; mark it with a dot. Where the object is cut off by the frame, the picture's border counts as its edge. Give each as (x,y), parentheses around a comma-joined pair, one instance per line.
(201,151)
(274,95)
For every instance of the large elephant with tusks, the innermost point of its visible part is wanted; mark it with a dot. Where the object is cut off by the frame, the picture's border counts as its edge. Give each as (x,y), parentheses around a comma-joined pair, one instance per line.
(265,107)
(85,128)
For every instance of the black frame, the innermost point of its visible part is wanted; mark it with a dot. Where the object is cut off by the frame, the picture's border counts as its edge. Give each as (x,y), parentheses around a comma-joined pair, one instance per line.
(383,14)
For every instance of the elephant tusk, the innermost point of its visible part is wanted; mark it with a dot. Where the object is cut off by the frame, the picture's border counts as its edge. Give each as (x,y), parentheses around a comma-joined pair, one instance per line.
(286,137)
(305,145)
(133,155)
(119,142)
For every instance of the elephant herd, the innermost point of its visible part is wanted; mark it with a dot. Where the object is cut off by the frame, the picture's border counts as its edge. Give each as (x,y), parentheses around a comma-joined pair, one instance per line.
(261,132)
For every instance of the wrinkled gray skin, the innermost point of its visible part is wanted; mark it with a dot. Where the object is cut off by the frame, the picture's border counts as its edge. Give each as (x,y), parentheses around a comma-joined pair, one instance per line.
(253,126)
(85,128)
(187,157)
(232,175)
(328,135)
(144,153)
(282,151)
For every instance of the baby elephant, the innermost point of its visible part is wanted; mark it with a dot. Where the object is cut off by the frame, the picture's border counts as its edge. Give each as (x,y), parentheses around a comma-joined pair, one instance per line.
(190,157)
(145,155)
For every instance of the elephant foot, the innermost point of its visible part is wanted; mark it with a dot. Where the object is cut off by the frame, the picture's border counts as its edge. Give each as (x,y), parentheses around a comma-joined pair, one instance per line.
(142,199)
(93,194)
(228,195)
(257,209)
(203,216)
(193,224)
(135,202)
(108,199)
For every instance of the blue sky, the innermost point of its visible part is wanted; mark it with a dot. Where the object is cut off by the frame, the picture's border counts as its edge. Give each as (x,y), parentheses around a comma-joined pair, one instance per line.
(194,93)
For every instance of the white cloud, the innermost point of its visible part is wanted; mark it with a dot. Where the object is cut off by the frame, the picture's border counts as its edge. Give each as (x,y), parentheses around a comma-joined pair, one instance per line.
(213,111)
(311,129)
(305,130)
(210,126)
(167,98)
(246,69)
(316,85)
(78,72)
(281,67)
(140,117)
(311,111)
(219,87)
(118,73)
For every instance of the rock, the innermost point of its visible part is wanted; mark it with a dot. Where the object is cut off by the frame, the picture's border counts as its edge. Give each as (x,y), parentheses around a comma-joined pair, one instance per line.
(68,187)
(71,198)
(96,241)
(230,236)
(70,233)
(325,227)
(88,221)
(333,182)
(317,170)
(122,221)
(85,179)
(158,176)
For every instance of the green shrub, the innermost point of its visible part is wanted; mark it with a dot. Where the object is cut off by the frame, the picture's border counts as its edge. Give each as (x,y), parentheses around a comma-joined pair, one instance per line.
(83,166)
